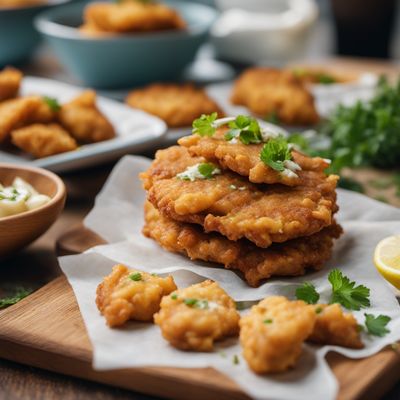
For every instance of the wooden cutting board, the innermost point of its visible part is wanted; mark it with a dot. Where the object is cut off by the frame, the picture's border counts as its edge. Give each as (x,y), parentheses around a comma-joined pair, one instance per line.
(46,330)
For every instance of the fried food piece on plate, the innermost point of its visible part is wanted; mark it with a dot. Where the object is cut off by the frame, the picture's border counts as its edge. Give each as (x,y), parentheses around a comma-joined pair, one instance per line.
(132,16)
(195,317)
(45,111)
(335,327)
(20,3)
(229,204)
(244,159)
(291,258)
(84,121)
(177,105)
(43,140)
(10,81)
(269,91)
(272,334)
(129,294)
(15,113)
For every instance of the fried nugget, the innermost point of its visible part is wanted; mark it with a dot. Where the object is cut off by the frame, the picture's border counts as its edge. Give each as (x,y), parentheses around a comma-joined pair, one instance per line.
(83,120)
(194,317)
(245,159)
(177,105)
(267,91)
(128,294)
(292,258)
(273,333)
(43,140)
(15,113)
(10,81)
(20,3)
(236,208)
(335,327)
(132,16)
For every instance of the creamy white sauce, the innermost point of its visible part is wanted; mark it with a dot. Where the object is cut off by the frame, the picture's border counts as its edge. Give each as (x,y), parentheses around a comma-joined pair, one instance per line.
(192,173)
(19,197)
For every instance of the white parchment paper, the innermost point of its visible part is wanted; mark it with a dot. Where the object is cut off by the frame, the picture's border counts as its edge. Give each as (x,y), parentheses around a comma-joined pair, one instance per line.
(118,218)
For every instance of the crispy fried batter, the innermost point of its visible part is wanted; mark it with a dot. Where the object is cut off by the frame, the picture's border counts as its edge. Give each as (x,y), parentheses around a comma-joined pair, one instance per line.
(132,16)
(273,333)
(232,206)
(15,113)
(266,91)
(119,298)
(194,317)
(292,258)
(10,81)
(43,140)
(335,327)
(245,159)
(177,105)
(20,3)
(84,121)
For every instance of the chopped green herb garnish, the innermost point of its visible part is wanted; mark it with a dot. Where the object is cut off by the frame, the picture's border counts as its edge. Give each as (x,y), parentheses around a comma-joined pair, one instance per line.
(346,293)
(318,310)
(325,79)
(246,129)
(137,276)
(267,321)
(174,296)
(154,274)
(52,102)
(235,359)
(307,293)
(20,293)
(199,171)
(377,325)
(275,152)
(195,303)
(207,170)
(204,126)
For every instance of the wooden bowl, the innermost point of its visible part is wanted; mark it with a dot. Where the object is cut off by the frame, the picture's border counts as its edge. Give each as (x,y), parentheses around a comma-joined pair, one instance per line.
(17,231)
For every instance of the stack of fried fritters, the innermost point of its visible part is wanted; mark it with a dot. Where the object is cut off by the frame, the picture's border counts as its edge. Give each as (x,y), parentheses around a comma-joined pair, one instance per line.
(248,217)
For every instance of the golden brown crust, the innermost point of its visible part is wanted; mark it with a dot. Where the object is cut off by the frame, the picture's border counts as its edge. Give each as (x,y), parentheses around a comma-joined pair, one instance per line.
(237,209)
(266,91)
(10,81)
(43,140)
(273,333)
(84,121)
(245,159)
(335,327)
(177,105)
(120,298)
(291,258)
(21,3)
(196,326)
(132,16)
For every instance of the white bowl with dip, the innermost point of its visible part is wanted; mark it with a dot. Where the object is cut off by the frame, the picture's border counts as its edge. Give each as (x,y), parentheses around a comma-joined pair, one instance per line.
(25,216)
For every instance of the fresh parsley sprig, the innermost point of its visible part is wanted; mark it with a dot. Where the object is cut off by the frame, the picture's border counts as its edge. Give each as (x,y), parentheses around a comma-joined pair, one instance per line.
(52,102)
(377,325)
(346,293)
(307,293)
(204,126)
(246,129)
(275,152)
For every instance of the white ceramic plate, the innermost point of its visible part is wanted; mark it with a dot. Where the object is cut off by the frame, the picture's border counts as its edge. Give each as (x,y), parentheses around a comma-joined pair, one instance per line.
(136,130)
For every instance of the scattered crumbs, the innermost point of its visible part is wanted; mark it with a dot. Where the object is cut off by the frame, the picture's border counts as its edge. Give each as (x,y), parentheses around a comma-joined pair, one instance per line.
(235,359)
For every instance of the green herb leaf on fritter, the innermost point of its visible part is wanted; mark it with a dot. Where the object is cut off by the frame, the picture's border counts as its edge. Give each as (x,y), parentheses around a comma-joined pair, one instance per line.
(275,152)
(204,126)
(52,102)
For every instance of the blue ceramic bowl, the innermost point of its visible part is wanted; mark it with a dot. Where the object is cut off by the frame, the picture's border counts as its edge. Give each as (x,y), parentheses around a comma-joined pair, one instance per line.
(18,37)
(128,59)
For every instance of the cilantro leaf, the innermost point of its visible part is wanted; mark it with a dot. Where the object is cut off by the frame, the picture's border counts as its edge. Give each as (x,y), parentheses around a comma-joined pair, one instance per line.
(275,152)
(52,102)
(325,79)
(20,293)
(377,325)
(137,276)
(307,293)
(207,170)
(195,303)
(204,126)
(268,321)
(346,293)
(246,128)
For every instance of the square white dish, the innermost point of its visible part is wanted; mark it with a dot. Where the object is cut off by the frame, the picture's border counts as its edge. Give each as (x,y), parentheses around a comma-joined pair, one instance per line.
(136,130)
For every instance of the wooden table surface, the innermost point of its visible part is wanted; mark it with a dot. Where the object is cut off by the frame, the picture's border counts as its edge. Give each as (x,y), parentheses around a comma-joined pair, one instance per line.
(37,265)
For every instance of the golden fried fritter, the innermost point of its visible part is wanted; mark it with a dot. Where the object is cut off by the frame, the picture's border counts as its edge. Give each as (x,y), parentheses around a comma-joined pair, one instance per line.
(273,333)
(245,159)
(177,105)
(194,317)
(20,3)
(267,91)
(15,113)
(84,121)
(291,258)
(128,294)
(335,327)
(316,75)
(10,81)
(132,16)
(43,140)
(236,208)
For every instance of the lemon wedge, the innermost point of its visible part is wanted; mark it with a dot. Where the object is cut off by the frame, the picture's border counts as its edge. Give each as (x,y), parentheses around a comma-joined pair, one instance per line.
(387,259)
